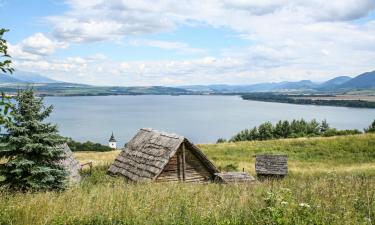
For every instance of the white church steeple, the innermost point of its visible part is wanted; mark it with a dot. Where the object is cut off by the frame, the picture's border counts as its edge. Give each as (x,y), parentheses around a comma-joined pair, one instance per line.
(112,143)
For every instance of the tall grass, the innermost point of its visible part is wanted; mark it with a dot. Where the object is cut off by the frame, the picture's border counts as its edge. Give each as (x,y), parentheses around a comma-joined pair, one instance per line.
(338,188)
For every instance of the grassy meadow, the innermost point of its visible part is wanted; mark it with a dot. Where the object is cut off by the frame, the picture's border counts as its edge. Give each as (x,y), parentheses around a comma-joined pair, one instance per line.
(330,181)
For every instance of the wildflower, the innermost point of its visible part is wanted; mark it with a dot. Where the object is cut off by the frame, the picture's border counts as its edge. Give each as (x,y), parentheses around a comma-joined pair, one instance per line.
(304,205)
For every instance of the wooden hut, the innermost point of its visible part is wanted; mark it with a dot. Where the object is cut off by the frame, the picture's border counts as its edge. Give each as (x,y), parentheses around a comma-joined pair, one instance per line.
(271,166)
(233,177)
(157,156)
(71,165)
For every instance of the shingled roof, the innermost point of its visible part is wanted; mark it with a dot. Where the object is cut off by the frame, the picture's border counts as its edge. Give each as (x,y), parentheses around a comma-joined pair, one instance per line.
(146,155)
(71,164)
(271,165)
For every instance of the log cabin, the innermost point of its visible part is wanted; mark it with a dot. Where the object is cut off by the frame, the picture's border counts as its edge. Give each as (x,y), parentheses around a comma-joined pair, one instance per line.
(152,155)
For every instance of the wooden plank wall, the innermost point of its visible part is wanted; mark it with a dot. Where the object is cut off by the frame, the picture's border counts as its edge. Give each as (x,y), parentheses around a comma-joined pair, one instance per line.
(191,170)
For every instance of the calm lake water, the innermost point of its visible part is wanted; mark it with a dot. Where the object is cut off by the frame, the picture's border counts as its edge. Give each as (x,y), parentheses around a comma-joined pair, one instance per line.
(202,119)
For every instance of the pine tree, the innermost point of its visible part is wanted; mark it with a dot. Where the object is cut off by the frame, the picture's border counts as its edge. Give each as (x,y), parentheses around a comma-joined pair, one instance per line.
(32,151)
(371,128)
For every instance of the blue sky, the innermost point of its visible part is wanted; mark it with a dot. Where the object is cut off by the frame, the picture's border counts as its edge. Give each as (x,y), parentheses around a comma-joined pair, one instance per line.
(118,42)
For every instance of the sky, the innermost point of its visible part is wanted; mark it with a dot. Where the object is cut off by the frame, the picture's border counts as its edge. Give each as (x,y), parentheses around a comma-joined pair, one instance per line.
(172,43)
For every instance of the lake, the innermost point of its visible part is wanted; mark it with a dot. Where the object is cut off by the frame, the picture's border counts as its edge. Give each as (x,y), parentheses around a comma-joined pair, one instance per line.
(202,119)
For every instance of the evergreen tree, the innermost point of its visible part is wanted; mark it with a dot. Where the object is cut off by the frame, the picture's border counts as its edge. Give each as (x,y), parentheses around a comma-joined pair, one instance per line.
(265,131)
(278,131)
(254,135)
(32,151)
(313,127)
(324,127)
(285,129)
(371,128)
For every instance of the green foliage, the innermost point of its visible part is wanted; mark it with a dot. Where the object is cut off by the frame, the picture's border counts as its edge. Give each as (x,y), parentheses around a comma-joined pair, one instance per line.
(286,129)
(31,151)
(221,140)
(5,65)
(87,146)
(371,128)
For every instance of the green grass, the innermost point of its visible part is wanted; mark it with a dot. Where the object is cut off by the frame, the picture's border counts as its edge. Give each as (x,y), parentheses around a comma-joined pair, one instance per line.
(331,181)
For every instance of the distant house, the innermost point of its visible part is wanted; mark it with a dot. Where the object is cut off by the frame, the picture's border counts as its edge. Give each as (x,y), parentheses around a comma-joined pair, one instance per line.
(271,166)
(157,156)
(112,143)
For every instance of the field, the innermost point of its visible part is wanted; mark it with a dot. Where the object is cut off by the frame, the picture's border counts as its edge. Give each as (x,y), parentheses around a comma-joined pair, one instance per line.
(368,98)
(330,181)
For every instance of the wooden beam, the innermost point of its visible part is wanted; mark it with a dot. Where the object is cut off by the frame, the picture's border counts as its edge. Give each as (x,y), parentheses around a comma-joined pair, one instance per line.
(183,162)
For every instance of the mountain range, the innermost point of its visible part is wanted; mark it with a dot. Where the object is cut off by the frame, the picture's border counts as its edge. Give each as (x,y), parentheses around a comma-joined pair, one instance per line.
(26,77)
(341,83)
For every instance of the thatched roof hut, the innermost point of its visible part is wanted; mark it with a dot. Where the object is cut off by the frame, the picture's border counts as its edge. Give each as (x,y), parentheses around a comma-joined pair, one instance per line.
(271,165)
(157,156)
(71,164)
(233,177)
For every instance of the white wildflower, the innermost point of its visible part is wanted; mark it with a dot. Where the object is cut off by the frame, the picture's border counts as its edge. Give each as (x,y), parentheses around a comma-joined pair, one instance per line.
(304,205)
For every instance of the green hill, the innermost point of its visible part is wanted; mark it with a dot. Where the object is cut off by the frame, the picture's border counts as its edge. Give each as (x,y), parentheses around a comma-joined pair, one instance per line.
(330,181)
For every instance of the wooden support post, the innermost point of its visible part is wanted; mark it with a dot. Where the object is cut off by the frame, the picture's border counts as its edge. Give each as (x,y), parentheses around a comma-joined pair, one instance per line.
(183,162)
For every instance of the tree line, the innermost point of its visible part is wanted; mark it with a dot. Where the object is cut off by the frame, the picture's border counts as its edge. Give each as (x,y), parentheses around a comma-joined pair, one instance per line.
(304,100)
(87,146)
(291,129)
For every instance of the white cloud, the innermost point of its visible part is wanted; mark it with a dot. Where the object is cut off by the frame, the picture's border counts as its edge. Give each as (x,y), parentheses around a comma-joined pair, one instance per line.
(35,47)
(289,40)
(39,44)
(168,45)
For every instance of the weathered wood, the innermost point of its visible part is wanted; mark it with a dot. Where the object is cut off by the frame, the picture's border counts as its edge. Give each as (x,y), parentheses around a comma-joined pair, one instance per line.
(154,155)
(271,165)
(183,162)
(233,177)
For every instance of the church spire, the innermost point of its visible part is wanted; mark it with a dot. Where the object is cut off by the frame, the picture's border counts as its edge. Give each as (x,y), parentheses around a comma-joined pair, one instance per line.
(112,138)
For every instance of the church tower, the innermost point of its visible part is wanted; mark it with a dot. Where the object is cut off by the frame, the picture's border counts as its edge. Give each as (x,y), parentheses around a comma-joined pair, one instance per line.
(112,143)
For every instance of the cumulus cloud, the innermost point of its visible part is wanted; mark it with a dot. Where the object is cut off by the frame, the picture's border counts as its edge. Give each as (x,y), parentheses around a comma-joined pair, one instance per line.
(97,20)
(168,45)
(39,44)
(35,47)
(288,40)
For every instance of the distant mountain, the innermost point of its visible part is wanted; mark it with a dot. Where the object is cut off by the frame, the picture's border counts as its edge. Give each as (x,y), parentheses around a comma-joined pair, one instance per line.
(303,84)
(32,77)
(333,83)
(364,80)
(8,79)
(224,88)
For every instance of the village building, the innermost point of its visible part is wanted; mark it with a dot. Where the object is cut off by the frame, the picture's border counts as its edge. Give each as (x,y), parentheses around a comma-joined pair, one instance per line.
(112,143)
(157,156)
(271,166)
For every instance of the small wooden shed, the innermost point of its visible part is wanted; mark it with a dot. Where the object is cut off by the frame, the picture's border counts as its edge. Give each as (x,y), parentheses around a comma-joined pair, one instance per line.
(157,156)
(233,177)
(275,166)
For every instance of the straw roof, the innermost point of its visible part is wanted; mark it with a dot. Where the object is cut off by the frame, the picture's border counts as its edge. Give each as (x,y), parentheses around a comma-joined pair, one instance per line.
(233,177)
(146,155)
